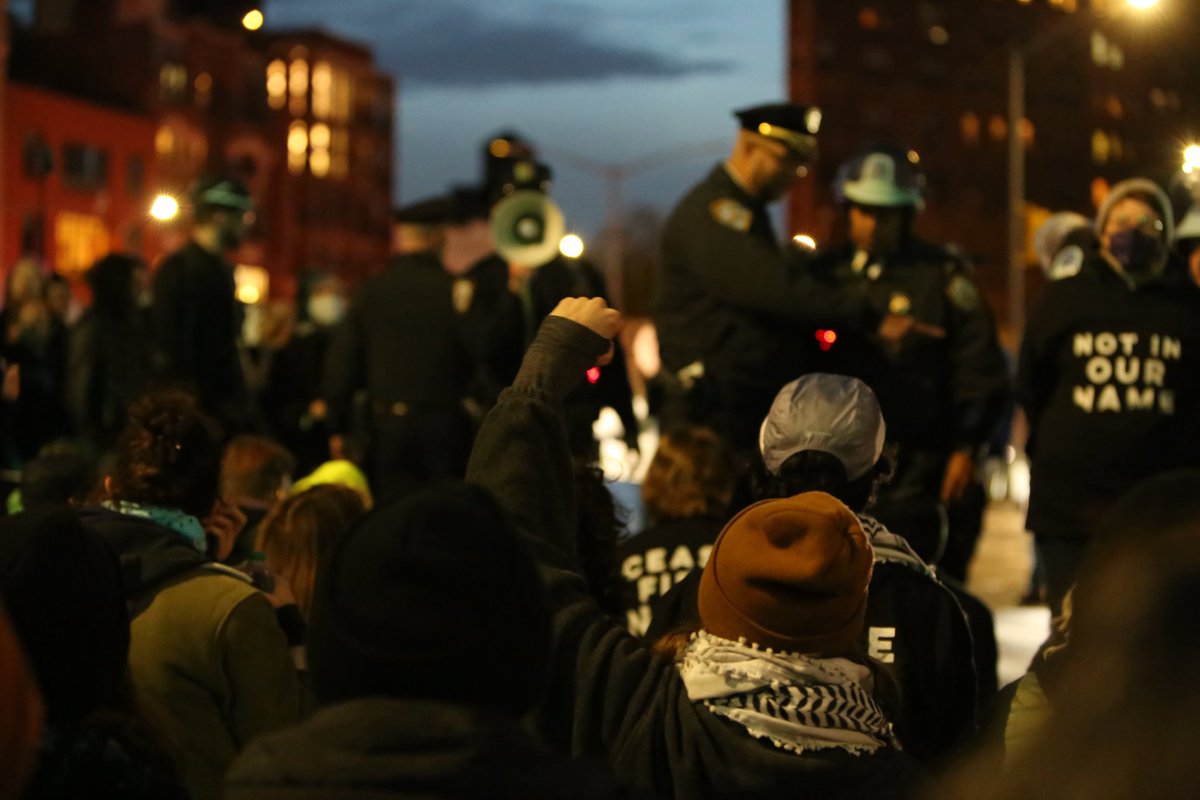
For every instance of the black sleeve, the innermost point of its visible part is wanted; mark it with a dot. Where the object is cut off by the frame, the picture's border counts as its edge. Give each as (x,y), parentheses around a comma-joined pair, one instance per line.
(979,384)
(750,273)
(174,319)
(344,368)
(1036,368)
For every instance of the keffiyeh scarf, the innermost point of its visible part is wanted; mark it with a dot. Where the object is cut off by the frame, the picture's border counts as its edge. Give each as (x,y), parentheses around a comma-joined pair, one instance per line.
(798,703)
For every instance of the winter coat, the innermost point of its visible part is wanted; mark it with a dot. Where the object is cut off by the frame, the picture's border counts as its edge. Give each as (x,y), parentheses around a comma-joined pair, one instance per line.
(1109,379)
(608,695)
(914,625)
(209,663)
(393,748)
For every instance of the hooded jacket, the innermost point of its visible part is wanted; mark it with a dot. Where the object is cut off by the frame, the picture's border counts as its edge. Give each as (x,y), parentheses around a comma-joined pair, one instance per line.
(392,748)
(608,695)
(208,659)
(1109,378)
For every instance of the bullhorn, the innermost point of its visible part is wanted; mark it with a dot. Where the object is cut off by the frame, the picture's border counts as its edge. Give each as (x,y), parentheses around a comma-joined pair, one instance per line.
(527,226)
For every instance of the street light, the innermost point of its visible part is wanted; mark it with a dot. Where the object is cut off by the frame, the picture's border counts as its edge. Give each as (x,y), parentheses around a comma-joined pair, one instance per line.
(253,20)
(571,246)
(164,208)
(1018,54)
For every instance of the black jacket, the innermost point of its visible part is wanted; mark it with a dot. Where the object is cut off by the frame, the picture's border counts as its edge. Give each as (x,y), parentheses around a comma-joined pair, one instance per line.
(1109,378)
(196,321)
(608,695)
(400,341)
(393,748)
(936,394)
(729,296)
(915,626)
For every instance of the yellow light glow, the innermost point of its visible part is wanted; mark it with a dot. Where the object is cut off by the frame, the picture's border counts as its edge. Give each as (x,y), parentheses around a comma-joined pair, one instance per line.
(248,294)
(1191,156)
(319,163)
(320,135)
(805,241)
(1142,4)
(500,148)
(164,208)
(253,20)
(571,246)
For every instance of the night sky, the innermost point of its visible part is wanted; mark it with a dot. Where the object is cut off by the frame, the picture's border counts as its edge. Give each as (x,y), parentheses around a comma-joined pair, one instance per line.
(614,81)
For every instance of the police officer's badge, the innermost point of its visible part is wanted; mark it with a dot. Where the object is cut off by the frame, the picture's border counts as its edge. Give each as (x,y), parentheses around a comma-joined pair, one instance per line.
(731,214)
(963,293)
(900,303)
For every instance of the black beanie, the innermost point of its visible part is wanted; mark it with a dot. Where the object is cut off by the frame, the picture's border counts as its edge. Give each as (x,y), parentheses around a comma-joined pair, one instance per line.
(62,586)
(433,597)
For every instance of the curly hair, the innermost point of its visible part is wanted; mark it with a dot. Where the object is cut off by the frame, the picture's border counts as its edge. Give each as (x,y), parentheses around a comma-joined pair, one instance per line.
(691,475)
(168,454)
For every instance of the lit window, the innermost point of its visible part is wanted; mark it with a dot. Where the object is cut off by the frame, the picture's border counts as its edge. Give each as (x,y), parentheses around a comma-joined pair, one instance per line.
(1028,133)
(297,145)
(1113,107)
(939,35)
(1115,147)
(164,141)
(868,18)
(1099,49)
(1100,147)
(172,81)
(203,86)
(998,127)
(81,240)
(319,163)
(1116,57)
(971,126)
(277,84)
(322,90)
(298,86)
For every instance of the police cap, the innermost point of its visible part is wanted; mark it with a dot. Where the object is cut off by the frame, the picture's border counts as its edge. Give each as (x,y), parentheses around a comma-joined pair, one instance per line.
(794,125)
(430,211)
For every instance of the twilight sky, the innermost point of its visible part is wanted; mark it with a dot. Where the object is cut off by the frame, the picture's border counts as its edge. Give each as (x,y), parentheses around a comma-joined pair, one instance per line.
(613,81)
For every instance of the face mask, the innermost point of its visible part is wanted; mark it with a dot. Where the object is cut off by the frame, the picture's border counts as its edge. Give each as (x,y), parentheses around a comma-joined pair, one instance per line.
(1139,253)
(326,309)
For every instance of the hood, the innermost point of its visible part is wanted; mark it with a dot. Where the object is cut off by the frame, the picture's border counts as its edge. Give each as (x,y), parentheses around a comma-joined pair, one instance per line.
(383,747)
(1139,186)
(150,554)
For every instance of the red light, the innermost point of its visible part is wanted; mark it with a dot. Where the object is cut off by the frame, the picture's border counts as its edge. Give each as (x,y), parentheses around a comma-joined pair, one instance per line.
(593,375)
(826,338)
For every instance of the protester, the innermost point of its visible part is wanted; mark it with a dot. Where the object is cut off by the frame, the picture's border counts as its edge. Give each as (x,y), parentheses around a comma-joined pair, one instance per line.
(62,586)
(109,355)
(429,640)
(210,662)
(1109,379)
(256,474)
(686,493)
(20,713)
(298,534)
(1119,694)
(732,715)
(826,433)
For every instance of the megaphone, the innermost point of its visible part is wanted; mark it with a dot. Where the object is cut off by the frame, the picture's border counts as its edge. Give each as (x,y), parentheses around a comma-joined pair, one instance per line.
(527,226)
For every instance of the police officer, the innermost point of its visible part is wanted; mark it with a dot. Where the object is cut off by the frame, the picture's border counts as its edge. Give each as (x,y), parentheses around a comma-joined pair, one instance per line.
(196,318)
(941,396)
(730,295)
(401,343)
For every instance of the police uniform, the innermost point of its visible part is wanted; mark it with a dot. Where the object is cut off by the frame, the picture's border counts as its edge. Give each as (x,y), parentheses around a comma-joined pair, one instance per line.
(730,294)
(401,341)
(938,395)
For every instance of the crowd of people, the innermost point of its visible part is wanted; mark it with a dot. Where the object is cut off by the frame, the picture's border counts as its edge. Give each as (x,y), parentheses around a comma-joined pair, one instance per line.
(365,552)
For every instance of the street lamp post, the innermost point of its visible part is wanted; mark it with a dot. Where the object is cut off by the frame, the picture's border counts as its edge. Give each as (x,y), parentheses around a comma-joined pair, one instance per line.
(1017,57)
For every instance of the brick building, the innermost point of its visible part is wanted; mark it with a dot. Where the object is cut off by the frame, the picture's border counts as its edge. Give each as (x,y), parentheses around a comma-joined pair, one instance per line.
(211,90)
(1106,99)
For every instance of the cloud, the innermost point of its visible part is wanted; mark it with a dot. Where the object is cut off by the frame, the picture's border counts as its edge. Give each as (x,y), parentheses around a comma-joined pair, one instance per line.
(452,44)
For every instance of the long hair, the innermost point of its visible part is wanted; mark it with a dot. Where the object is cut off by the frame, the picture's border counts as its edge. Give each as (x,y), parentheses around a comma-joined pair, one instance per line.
(298,534)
